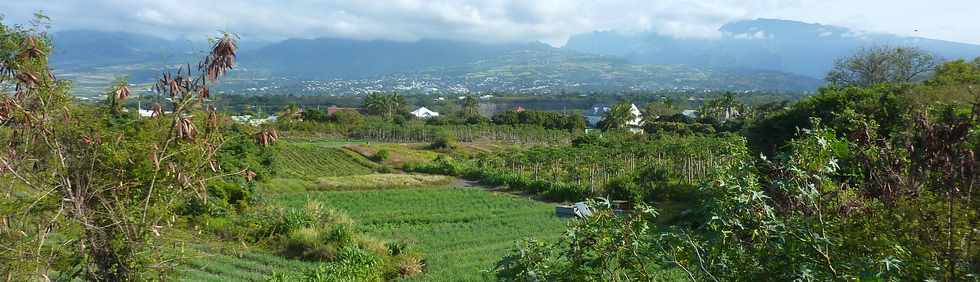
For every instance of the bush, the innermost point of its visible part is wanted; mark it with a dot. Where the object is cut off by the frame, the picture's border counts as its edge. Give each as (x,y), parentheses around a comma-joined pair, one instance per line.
(381,155)
(444,141)
(590,139)
(351,264)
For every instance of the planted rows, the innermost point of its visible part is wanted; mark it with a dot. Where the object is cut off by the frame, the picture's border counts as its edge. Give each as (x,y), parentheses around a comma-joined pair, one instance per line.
(311,161)
(461,231)
(414,132)
(571,173)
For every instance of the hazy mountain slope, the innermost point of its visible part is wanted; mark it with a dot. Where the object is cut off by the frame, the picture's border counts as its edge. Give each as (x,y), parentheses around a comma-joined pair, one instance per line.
(790,46)
(85,48)
(555,69)
(342,58)
(93,59)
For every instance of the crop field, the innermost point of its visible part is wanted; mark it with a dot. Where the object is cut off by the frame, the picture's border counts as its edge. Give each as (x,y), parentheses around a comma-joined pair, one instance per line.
(461,231)
(376,181)
(311,161)
(211,261)
(399,154)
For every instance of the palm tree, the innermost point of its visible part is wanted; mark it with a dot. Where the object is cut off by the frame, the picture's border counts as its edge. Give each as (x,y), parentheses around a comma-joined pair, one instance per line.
(669,104)
(383,105)
(724,108)
(291,112)
(470,107)
(617,117)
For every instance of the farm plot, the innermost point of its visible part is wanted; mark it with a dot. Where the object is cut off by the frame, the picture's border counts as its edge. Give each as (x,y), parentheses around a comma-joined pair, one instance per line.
(312,161)
(461,231)
(213,262)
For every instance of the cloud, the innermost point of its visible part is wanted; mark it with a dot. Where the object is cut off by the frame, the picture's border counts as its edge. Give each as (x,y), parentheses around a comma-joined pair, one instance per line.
(551,21)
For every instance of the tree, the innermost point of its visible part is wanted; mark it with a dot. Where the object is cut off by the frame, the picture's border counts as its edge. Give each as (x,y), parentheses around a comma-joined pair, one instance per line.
(86,198)
(291,112)
(723,109)
(315,115)
(386,106)
(470,107)
(882,64)
(958,72)
(618,117)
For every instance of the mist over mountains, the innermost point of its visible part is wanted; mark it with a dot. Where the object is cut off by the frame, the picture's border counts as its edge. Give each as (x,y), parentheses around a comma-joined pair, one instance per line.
(754,55)
(781,45)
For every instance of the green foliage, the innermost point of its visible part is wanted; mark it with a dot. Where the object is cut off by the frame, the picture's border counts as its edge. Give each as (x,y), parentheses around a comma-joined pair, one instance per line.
(602,247)
(663,107)
(312,161)
(648,185)
(92,188)
(379,181)
(677,128)
(382,155)
(444,141)
(550,120)
(882,64)
(315,115)
(351,264)
(349,119)
(618,117)
(572,173)
(958,72)
(593,139)
(842,109)
(461,231)
(808,215)
(426,132)
(469,107)
(321,234)
(385,105)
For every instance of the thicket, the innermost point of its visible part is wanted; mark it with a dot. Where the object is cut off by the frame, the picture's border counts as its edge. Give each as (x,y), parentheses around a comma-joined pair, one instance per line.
(316,233)
(586,169)
(549,120)
(421,132)
(88,190)
(876,184)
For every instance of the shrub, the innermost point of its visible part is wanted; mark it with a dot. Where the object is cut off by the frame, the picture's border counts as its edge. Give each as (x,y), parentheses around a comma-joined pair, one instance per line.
(444,141)
(310,243)
(590,139)
(351,264)
(381,155)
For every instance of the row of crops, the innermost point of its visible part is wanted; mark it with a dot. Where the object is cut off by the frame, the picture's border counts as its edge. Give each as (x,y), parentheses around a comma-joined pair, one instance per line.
(571,172)
(312,161)
(462,231)
(423,133)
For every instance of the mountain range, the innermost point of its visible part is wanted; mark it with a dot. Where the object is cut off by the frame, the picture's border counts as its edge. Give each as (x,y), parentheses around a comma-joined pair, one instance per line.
(770,44)
(755,55)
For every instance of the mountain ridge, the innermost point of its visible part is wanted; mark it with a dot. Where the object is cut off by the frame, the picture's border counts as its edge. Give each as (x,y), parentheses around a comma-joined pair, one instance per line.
(751,55)
(770,44)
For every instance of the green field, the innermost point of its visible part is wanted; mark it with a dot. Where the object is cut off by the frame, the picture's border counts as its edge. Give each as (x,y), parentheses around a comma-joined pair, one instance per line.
(310,161)
(462,231)
(213,261)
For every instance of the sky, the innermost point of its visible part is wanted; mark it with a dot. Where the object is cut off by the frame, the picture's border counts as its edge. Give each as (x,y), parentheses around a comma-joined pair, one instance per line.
(549,21)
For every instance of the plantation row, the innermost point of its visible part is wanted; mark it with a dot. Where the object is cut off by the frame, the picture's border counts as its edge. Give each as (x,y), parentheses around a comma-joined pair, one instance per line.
(570,173)
(461,232)
(422,133)
(310,161)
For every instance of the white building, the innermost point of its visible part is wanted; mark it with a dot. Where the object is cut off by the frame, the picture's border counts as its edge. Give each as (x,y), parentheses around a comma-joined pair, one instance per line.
(250,120)
(690,113)
(424,113)
(635,125)
(638,120)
